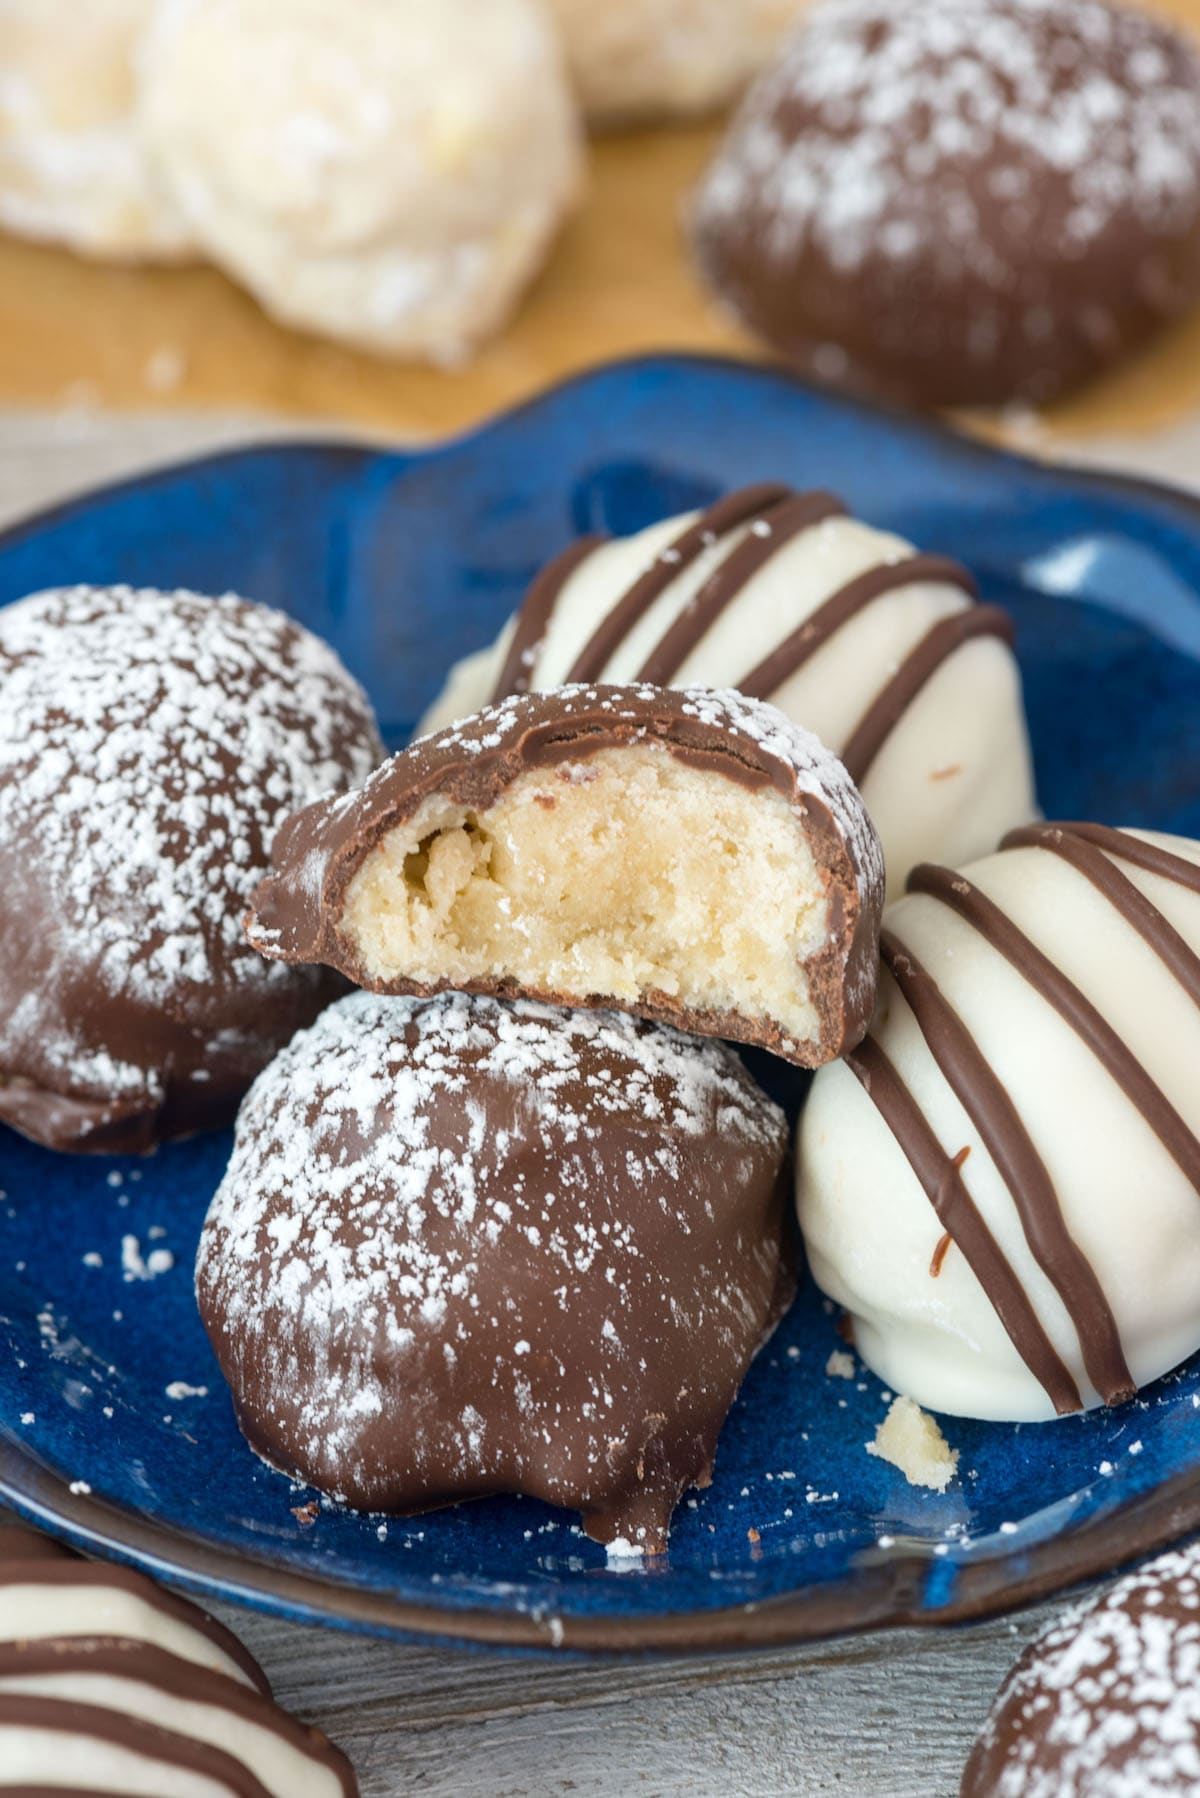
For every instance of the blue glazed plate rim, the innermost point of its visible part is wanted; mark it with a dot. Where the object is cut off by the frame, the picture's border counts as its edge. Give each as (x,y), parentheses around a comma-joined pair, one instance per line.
(890,1587)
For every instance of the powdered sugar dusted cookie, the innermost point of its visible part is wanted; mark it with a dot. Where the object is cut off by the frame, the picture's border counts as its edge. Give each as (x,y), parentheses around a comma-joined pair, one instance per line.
(467,1246)
(961,204)
(1106,1702)
(877,648)
(73,166)
(110,1684)
(688,855)
(389,173)
(150,745)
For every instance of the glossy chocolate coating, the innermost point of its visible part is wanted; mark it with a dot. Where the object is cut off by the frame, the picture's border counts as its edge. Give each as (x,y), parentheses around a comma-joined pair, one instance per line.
(966,204)
(150,744)
(1104,1703)
(296,912)
(467,1247)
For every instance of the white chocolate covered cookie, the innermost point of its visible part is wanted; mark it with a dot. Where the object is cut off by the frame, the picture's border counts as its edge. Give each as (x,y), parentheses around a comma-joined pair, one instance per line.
(72,164)
(1002,1182)
(389,173)
(109,1684)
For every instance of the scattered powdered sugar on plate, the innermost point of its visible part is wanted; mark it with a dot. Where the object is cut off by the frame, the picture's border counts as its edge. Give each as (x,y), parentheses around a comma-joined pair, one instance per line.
(136,1266)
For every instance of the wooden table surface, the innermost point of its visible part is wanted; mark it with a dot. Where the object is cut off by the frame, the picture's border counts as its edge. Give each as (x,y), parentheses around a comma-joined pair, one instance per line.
(192,363)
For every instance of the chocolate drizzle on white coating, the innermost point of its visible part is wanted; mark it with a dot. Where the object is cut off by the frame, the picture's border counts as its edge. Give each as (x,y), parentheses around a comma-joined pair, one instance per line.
(1094,852)
(109,1683)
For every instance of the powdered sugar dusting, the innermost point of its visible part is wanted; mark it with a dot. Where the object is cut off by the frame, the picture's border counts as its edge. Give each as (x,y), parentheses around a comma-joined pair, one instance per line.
(1108,1700)
(150,746)
(350,1220)
(819,772)
(921,124)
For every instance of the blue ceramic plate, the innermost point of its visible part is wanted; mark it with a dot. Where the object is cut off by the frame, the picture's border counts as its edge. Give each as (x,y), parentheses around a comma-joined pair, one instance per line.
(114,1425)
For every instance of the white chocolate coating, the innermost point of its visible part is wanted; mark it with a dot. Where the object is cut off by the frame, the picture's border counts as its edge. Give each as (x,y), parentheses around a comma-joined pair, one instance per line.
(72,164)
(48,1757)
(254,1739)
(389,173)
(653,59)
(109,1685)
(952,775)
(869,1227)
(39,1613)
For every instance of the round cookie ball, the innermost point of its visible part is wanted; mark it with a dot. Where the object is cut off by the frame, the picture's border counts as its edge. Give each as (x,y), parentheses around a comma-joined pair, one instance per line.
(468,1247)
(150,746)
(390,174)
(1001,1184)
(654,59)
(965,204)
(72,165)
(1105,1703)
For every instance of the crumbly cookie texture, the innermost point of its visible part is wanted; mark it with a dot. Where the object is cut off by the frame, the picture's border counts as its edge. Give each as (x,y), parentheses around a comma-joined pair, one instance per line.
(1105,1703)
(467,1246)
(390,174)
(688,855)
(967,204)
(879,649)
(150,745)
(73,164)
(1001,1183)
(110,1684)
(910,1440)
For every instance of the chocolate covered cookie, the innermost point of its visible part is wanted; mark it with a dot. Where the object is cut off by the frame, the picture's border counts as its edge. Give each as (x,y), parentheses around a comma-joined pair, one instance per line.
(1105,1703)
(109,1684)
(690,856)
(467,1247)
(961,204)
(1002,1182)
(150,745)
(880,650)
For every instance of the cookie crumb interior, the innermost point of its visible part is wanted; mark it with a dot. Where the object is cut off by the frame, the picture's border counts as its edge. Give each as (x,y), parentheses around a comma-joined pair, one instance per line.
(623,875)
(910,1439)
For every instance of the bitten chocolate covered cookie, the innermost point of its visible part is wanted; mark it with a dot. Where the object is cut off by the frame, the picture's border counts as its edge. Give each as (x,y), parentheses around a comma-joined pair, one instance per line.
(1002,1182)
(109,1684)
(961,204)
(1106,1702)
(468,1247)
(855,635)
(691,856)
(150,745)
